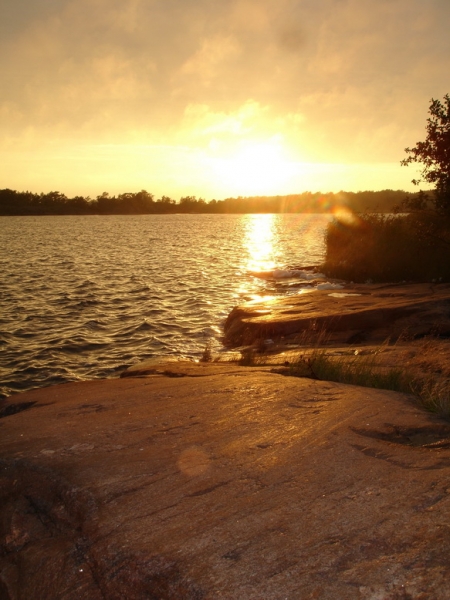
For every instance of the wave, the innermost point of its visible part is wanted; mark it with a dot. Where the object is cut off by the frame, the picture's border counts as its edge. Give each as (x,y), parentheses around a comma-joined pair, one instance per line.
(104,305)
(305,275)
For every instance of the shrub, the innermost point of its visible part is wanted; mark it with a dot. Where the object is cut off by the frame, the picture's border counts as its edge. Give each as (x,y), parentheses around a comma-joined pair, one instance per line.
(389,248)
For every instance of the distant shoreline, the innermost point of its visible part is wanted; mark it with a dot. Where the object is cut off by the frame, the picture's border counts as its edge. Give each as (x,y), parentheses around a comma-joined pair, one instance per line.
(14,203)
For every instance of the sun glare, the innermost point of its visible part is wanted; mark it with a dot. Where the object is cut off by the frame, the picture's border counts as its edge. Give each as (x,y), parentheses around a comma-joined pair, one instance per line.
(261,253)
(256,168)
(260,243)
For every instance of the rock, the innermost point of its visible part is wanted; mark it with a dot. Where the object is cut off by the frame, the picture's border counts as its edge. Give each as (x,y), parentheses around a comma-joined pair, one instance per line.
(218,481)
(372,312)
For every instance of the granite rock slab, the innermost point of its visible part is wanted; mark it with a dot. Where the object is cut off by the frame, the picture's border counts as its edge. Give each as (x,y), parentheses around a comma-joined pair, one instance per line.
(210,481)
(368,311)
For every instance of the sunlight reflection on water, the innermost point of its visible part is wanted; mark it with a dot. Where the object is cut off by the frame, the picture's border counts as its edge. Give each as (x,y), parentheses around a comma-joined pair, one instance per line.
(261,242)
(82,297)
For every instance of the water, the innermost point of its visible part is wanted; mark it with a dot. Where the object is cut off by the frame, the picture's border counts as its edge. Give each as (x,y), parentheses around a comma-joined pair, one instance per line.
(82,297)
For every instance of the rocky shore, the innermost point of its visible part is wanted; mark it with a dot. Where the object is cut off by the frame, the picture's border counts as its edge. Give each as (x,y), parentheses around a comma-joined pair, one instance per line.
(208,480)
(361,312)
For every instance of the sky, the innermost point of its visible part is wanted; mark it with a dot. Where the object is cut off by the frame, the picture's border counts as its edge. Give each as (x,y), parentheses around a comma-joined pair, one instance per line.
(216,98)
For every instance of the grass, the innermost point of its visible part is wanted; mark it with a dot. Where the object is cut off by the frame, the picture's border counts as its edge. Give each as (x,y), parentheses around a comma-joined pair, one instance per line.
(431,390)
(207,355)
(428,379)
(363,370)
(388,248)
(434,395)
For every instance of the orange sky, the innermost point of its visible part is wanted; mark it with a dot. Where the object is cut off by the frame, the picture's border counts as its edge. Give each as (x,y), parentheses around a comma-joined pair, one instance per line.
(216,98)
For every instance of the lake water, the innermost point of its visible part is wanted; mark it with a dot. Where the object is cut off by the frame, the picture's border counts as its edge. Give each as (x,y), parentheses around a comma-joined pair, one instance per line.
(82,297)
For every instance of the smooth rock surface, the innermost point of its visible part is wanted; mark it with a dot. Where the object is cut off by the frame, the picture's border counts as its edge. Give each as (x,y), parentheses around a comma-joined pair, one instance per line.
(372,311)
(216,481)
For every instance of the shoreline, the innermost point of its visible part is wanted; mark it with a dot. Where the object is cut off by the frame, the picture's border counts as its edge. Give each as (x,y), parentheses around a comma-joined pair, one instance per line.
(202,480)
(199,481)
(340,315)
(370,311)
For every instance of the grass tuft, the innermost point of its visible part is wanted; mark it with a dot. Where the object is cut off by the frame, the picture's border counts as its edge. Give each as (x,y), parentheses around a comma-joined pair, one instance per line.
(427,379)
(207,354)
(363,370)
(250,357)
(431,391)
(434,395)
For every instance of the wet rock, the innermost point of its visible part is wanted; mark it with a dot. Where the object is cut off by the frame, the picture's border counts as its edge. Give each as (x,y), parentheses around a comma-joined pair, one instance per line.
(229,483)
(369,312)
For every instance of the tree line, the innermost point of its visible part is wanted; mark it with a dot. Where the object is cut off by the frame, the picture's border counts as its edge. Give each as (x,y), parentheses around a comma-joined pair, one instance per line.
(55,203)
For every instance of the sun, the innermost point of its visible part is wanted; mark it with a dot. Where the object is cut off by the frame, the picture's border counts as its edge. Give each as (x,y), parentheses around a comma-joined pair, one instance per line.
(254,168)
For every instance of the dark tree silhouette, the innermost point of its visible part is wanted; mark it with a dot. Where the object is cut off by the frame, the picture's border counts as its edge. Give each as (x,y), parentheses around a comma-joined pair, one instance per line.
(434,155)
(143,202)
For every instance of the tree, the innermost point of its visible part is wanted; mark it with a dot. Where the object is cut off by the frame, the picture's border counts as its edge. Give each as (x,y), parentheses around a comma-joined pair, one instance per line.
(434,155)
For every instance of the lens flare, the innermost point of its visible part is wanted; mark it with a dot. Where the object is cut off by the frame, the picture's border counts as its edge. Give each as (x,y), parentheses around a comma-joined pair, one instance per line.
(193,462)
(346,216)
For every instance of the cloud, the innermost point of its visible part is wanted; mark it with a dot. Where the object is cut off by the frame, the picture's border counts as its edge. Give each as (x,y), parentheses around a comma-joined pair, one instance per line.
(208,59)
(337,80)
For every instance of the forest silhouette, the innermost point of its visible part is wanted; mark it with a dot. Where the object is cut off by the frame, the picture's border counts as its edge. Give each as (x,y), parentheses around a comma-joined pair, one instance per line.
(55,203)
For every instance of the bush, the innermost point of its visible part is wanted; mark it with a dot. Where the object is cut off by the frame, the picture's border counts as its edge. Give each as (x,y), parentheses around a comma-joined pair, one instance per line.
(389,248)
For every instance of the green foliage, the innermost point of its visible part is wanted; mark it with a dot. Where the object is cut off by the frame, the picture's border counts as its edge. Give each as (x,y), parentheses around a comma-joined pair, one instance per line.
(434,155)
(389,248)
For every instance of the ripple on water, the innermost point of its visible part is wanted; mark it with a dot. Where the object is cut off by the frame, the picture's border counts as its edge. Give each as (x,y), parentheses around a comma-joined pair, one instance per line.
(83,297)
